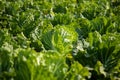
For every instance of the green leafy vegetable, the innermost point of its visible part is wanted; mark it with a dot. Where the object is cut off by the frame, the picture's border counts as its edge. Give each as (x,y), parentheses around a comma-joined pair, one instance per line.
(59,40)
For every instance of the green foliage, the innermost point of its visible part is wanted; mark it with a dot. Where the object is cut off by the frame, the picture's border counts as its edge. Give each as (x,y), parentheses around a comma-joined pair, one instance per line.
(78,72)
(59,39)
(99,48)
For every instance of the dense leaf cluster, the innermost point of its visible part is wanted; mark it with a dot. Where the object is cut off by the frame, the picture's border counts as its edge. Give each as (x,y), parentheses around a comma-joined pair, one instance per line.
(59,40)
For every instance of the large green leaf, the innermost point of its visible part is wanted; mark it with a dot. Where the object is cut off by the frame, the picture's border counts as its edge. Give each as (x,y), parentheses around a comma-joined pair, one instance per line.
(30,65)
(78,72)
(60,38)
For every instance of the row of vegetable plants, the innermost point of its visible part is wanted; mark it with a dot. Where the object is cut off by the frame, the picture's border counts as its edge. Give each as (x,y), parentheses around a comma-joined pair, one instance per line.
(59,40)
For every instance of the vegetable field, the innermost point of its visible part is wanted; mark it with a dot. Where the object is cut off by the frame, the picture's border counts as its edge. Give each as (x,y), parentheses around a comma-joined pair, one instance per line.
(59,39)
